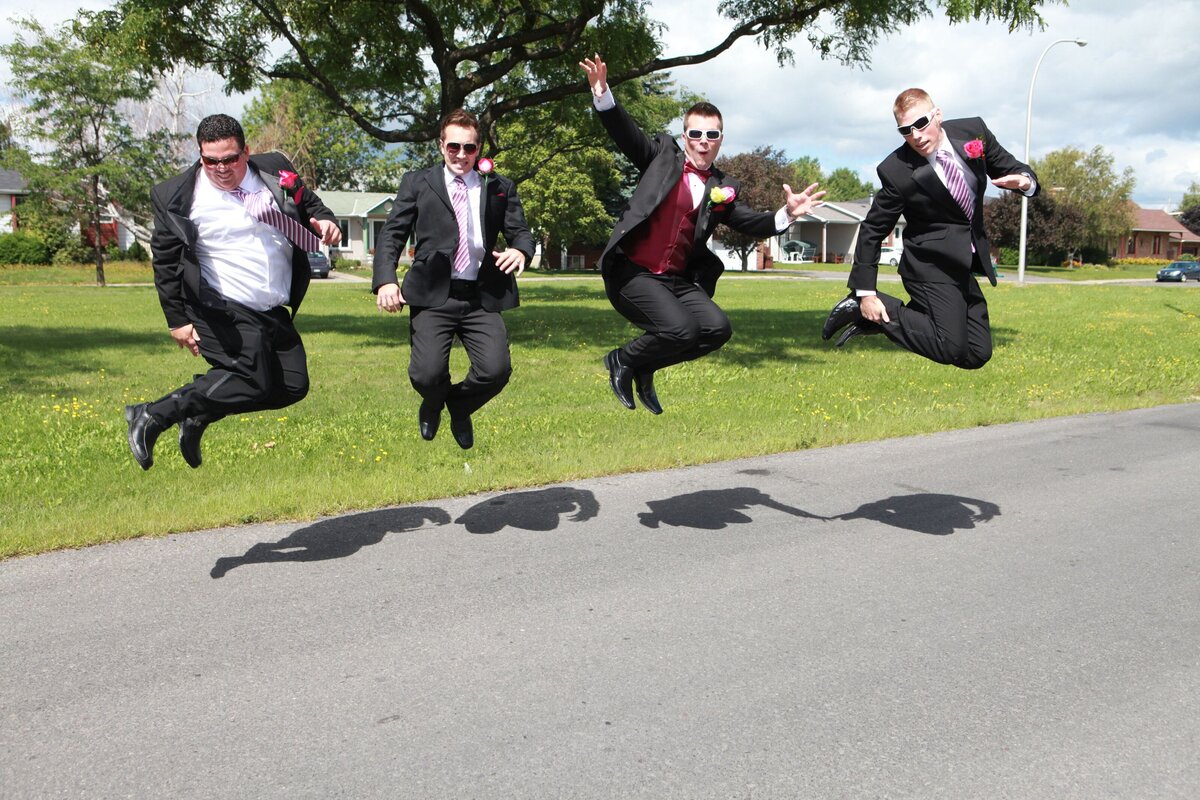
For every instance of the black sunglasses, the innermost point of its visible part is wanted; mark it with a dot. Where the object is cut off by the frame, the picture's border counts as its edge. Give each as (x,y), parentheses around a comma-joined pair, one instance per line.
(469,149)
(697,134)
(919,124)
(228,161)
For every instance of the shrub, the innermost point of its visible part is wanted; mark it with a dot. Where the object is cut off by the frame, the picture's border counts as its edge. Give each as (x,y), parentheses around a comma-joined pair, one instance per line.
(1008,256)
(21,248)
(136,252)
(1187,257)
(1142,262)
(73,252)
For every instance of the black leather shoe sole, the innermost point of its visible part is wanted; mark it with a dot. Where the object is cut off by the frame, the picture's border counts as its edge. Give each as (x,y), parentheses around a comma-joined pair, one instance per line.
(842,315)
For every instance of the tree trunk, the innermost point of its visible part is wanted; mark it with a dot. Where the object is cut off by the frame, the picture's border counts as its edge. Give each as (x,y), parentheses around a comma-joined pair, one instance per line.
(97,240)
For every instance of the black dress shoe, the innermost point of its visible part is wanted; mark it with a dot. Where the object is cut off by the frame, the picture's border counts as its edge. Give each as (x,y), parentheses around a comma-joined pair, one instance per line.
(144,430)
(190,431)
(842,315)
(620,378)
(464,432)
(644,383)
(861,328)
(430,418)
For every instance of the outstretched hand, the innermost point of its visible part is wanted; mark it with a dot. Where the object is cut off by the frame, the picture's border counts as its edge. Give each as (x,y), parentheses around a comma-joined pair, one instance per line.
(1018,183)
(597,74)
(800,203)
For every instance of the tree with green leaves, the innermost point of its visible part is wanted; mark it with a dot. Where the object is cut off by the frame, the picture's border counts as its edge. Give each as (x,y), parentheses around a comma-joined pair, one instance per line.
(762,173)
(843,183)
(396,69)
(1055,228)
(328,150)
(87,154)
(1191,198)
(1089,181)
(806,170)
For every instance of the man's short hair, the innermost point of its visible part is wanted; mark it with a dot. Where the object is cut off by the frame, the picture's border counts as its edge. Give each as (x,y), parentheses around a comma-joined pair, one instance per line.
(909,98)
(463,119)
(703,109)
(216,127)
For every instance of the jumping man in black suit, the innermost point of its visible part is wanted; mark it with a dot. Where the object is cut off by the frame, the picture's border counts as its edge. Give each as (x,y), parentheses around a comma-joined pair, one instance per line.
(230,243)
(457,284)
(936,180)
(657,268)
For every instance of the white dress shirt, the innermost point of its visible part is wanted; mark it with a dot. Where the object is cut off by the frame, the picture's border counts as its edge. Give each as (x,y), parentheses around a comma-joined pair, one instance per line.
(782,221)
(244,260)
(475,238)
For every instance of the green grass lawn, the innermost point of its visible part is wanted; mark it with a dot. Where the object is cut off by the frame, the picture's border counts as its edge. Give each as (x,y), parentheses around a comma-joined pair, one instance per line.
(72,357)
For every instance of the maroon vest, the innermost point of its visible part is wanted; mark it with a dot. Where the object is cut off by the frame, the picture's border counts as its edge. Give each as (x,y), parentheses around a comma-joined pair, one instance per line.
(663,242)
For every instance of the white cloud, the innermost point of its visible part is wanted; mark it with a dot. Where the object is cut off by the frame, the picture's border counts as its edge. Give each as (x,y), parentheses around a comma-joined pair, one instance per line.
(1124,91)
(1129,91)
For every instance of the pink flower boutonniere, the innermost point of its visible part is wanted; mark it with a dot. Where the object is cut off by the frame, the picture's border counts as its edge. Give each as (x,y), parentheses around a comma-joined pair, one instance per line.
(720,197)
(485,166)
(289,180)
(974,148)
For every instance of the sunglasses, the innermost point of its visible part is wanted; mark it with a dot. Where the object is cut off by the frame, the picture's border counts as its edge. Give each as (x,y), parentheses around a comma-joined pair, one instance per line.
(696,134)
(228,161)
(919,124)
(453,148)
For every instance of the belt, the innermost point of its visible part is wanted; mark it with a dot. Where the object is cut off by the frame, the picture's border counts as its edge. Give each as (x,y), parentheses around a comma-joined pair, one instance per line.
(464,290)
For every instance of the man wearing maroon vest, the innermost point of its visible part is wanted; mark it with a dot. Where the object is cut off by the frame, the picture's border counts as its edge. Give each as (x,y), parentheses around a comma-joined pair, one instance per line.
(657,268)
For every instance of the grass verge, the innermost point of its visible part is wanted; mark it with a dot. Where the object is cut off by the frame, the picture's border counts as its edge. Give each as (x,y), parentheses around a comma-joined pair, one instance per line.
(72,357)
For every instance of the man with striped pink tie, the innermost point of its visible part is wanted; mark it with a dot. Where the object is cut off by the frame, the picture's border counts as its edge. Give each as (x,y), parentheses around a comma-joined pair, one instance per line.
(230,252)
(458,282)
(936,180)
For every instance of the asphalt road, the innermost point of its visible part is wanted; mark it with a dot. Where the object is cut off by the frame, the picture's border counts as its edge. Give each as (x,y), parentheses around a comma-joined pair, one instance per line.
(1003,612)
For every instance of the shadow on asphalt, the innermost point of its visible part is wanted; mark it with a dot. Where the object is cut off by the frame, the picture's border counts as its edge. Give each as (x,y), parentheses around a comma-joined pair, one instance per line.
(335,538)
(713,509)
(539,510)
(935,514)
(544,510)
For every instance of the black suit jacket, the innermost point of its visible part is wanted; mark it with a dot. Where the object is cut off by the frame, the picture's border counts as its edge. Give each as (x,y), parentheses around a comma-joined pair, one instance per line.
(423,210)
(660,161)
(176,270)
(937,235)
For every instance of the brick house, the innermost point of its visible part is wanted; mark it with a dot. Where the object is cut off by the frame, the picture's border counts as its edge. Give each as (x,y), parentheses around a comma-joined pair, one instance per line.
(1156,234)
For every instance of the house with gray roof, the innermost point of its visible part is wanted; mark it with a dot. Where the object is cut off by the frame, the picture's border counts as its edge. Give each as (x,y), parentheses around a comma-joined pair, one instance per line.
(12,189)
(361,216)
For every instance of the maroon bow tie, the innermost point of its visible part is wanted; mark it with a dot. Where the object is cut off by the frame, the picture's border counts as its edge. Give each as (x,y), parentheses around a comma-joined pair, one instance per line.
(688,166)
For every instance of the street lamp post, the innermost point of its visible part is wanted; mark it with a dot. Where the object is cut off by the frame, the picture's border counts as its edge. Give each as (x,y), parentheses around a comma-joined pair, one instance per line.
(1028,123)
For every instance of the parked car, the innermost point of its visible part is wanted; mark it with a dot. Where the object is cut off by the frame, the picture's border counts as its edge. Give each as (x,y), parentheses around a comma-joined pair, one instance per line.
(318,264)
(890,255)
(1180,271)
(799,250)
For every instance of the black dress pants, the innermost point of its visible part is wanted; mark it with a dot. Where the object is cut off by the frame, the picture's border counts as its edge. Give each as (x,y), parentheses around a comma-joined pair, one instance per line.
(258,363)
(431,333)
(945,322)
(681,322)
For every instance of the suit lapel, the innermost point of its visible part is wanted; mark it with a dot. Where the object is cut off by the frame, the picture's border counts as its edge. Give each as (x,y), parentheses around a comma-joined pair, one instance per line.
(180,206)
(927,178)
(483,205)
(436,179)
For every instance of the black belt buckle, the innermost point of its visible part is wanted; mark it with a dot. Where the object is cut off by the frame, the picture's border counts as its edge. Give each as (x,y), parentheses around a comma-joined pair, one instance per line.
(464,290)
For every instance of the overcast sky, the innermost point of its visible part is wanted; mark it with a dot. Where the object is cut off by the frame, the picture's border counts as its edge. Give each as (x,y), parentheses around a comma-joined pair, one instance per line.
(1131,90)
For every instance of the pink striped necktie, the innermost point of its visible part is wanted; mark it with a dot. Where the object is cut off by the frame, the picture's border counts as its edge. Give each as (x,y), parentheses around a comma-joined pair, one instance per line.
(258,205)
(957,184)
(462,212)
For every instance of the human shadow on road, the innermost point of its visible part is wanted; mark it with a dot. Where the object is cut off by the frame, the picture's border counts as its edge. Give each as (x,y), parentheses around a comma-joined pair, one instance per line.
(713,509)
(539,510)
(337,537)
(935,514)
